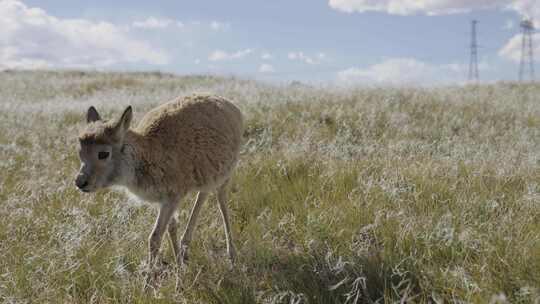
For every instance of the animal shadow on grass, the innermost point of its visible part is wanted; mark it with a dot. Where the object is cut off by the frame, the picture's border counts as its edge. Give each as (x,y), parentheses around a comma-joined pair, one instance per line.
(280,276)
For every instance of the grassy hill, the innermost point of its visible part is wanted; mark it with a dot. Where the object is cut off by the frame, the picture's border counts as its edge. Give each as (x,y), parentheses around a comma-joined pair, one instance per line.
(341,196)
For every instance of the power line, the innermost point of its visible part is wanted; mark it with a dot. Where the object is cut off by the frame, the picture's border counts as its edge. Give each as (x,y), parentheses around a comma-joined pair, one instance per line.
(527,54)
(473,64)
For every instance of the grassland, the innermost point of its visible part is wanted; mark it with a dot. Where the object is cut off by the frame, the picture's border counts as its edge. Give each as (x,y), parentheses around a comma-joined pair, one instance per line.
(373,195)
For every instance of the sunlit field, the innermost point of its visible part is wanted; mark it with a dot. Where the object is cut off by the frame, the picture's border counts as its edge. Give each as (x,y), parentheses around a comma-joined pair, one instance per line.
(342,195)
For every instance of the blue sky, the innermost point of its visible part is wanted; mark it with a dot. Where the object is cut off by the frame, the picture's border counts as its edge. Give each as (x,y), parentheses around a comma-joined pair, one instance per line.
(332,41)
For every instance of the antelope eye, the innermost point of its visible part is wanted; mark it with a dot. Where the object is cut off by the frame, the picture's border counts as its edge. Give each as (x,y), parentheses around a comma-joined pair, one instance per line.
(103,155)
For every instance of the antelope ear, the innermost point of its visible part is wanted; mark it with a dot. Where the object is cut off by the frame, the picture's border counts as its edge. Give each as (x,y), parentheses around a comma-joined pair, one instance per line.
(122,125)
(92,115)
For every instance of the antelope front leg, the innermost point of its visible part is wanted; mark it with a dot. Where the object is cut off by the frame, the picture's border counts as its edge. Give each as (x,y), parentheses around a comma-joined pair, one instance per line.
(165,212)
(192,221)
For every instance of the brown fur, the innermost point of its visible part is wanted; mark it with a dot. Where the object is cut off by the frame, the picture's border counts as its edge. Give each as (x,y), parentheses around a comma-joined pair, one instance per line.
(193,144)
(188,144)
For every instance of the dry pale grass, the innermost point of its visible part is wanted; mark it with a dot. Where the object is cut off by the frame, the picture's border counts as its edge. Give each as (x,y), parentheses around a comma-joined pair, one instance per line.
(373,195)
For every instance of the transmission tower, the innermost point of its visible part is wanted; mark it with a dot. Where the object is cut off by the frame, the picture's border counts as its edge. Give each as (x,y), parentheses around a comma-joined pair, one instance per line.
(473,65)
(527,55)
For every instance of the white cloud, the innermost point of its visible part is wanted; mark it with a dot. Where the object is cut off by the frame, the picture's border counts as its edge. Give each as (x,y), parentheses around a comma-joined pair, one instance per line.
(300,56)
(31,38)
(220,55)
(157,23)
(526,8)
(529,9)
(512,49)
(153,23)
(266,68)
(266,56)
(219,26)
(409,7)
(404,71)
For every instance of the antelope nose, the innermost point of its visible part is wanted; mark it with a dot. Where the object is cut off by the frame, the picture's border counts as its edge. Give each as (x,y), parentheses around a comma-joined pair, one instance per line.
(81,182)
